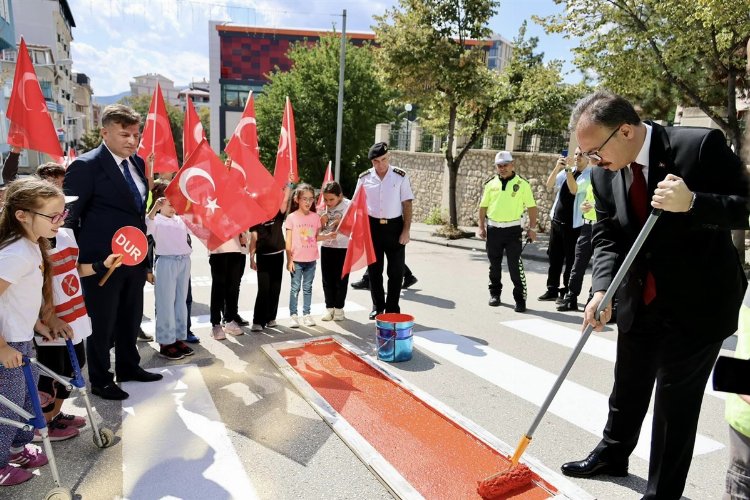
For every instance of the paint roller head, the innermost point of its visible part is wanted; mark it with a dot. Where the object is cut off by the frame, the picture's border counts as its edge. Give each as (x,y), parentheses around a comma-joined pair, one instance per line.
(502,483)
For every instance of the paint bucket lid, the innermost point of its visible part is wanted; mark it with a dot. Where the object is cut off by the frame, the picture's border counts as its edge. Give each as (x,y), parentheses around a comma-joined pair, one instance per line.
(398,320)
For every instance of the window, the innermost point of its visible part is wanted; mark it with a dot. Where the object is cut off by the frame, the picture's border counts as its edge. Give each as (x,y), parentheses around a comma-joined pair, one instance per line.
(4,11)
(46,89)
(234,96)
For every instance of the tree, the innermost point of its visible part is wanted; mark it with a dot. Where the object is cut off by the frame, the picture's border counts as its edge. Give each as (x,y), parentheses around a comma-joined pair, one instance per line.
(650,50)
(141,104)
(312,87)
(90,140)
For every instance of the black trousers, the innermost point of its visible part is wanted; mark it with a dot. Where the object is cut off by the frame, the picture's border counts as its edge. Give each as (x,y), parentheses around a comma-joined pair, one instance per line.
(561,251)
(655,352)
(506,240)
(57,359)
(407,273)
(270,270)
(385,240)
(116,310)
(226,272)
(334,288)
(583,252)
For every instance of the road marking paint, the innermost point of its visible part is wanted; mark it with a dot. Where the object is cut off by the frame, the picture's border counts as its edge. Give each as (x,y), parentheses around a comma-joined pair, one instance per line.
(579,405)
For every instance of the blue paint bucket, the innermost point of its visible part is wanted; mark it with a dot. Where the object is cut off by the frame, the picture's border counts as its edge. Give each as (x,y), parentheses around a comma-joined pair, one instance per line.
(394,336)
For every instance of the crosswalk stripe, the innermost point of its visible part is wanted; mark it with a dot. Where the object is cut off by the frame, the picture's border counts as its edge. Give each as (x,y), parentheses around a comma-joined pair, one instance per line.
(579,405)
(205,281)
(204,320)
(568,337)
(174,444)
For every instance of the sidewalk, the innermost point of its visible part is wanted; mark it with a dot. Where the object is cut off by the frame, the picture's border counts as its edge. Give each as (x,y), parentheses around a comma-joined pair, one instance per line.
(423,232)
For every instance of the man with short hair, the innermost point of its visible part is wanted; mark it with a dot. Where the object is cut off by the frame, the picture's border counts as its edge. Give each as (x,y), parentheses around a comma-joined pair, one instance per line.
(506,196)
(389,200)
(111,186)
(52,172)
(680,297)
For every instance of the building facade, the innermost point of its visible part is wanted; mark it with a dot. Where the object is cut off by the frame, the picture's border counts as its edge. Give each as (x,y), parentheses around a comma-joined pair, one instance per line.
(146,84)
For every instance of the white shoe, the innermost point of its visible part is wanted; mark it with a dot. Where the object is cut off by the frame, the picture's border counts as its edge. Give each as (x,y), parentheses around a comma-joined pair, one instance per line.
(232,328)
(294,321)
(308,320)
(256,328)
(328,316)
(217,332)
(272,323)
(338,315)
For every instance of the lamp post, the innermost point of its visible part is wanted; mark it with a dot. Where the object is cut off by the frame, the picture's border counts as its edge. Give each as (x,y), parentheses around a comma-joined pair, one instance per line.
(407,108)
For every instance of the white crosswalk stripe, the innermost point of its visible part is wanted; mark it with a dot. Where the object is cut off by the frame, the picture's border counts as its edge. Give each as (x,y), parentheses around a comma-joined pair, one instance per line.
(205,281)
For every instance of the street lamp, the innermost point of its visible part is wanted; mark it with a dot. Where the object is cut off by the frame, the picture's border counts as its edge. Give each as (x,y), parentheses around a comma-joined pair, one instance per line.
(407,108)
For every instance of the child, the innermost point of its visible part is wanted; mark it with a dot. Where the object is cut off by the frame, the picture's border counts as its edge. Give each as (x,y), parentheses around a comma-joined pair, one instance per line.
(33,211)
(302,235)
(333,252)
(227,267)
(267,259)
(171,275)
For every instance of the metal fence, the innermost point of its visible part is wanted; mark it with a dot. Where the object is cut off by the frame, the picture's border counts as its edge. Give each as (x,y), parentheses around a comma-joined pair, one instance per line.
(542,141)
(399,139)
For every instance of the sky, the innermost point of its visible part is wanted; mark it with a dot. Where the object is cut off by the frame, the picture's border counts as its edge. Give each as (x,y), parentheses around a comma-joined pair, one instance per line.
(115,40)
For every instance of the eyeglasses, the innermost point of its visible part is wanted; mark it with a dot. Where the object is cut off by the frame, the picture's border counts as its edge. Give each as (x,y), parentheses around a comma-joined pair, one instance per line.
(594,155)
(54,219)
(305,198)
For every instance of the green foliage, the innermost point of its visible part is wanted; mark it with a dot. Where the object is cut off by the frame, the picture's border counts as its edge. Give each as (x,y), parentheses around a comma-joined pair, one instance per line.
(90,140)
(312,87)
(435,218)
(176,116)
(656,52)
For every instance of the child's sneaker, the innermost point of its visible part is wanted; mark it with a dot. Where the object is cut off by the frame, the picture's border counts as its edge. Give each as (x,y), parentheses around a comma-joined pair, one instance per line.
(294,321)
(328,316)
(11,476)
(338,315)
(256,328)
(272,323)
(57,431)
(171,352)
(308,321)
(71,420)
(184,348)
(232,328)
(217,332)
(30,457)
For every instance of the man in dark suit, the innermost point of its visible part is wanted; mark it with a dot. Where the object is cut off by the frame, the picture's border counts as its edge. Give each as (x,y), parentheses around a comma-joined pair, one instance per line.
(680,298)
(111,187)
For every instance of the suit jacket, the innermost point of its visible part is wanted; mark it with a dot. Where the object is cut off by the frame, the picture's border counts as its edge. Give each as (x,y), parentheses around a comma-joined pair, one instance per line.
(699,278)
(104,203)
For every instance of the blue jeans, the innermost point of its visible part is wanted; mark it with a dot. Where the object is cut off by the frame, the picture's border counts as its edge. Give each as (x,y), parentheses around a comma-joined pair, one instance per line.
(172,275)
(304,273)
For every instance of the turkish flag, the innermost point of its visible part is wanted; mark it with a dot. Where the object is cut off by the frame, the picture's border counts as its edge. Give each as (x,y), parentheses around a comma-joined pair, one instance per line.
(286,154)
(157,136)
(328,177)
(244,141)
(356,225)
(30,123)
(71,156)
(192,131)
(212,204)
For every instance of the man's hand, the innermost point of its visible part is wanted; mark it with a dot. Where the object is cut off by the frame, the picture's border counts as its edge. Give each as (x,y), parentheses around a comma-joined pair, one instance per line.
(483,232)
(672,195)
(589,313)
(9,357)
(586,207)
(531,235)
(404,238)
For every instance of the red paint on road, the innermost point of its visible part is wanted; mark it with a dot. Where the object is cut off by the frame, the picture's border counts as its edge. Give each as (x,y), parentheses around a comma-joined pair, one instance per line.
(438,457)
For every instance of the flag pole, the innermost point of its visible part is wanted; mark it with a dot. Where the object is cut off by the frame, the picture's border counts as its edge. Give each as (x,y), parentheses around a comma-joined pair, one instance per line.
(340,108)
(288,131)
(156,111)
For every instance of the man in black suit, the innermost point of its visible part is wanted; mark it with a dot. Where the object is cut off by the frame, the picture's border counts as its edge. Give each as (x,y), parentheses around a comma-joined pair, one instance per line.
(680,298)
(111,187)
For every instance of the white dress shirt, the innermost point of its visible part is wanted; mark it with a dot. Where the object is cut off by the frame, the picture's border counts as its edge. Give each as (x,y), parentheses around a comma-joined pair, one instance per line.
(133,172)
(384,196)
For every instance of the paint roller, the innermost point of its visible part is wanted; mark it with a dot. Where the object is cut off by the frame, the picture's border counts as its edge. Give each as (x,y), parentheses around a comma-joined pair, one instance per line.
(519,475)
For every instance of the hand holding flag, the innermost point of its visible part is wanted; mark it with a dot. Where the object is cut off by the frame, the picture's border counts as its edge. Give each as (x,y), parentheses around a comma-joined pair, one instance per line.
(157,136)
(356,225)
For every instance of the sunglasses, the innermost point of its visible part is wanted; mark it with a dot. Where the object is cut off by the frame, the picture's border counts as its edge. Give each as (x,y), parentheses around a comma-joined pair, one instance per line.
(595,154)
(54,219)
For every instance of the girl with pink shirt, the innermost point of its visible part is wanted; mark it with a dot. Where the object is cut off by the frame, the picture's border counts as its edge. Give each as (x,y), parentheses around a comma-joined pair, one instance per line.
(302,235)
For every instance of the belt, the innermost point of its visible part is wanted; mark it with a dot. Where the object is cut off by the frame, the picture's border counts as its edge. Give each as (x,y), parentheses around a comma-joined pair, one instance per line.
(386,221)
(587,221)
(493,223)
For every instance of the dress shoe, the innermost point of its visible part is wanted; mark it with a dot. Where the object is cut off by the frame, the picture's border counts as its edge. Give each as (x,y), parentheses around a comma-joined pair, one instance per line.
(561,295)
(550,294)
(494,301)
(593,465)
(520,306)
(144,337)
(374,313)
(363,284)
(569,303)
(109,391)
(408,281)
(241,321)
(141,376)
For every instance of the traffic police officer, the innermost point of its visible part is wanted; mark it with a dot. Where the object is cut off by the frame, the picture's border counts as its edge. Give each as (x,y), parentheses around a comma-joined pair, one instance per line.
(389,198)
(505,197)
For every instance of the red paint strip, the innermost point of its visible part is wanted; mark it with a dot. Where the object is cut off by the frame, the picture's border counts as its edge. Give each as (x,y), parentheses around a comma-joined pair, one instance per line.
(438,458)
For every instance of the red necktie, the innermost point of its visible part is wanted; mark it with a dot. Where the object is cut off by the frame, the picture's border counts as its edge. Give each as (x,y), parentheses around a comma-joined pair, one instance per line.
(638,198)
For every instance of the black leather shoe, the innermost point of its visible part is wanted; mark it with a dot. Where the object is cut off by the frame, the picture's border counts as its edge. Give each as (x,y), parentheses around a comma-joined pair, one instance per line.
(141,376)
(241,321)
(561,295)
(363,284)
(408,281)
(109,391)
(144,337)
(374,313)
(549,295)
(494,301)
(593,465)
(520,307)
(569,303)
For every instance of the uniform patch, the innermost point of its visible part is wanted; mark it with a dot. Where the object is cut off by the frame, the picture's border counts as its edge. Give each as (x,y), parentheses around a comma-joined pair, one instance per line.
(490,179)
(399,171)
(364,173)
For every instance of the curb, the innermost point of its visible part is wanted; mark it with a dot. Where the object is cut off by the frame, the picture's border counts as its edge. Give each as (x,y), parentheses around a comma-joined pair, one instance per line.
(472,244)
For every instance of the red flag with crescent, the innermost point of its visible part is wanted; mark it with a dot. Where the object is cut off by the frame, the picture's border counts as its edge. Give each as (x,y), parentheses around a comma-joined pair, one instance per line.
(328,177)
(31,125)
(157,136)
(286,154)
(192,131)
(71,156)
(213,205)
(356,225)
(244,141)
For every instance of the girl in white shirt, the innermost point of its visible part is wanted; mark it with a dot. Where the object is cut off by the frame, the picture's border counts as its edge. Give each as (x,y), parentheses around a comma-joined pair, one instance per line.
(171,276)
